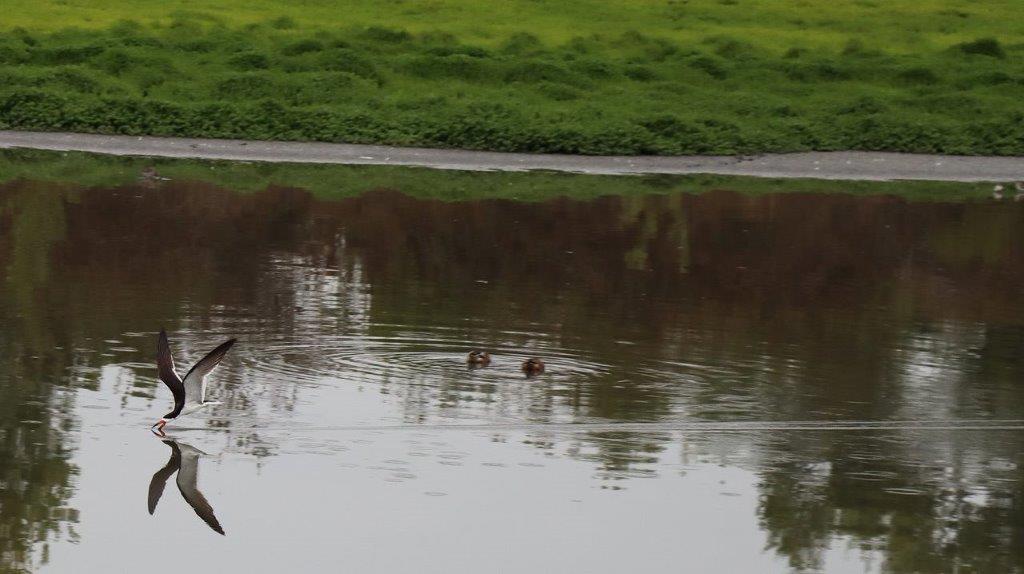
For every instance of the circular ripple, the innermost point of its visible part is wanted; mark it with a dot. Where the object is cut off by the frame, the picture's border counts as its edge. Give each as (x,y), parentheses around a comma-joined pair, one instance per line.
(420,357)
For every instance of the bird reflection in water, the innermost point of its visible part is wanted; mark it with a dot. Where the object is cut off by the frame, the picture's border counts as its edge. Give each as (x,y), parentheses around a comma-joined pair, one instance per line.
(185,461)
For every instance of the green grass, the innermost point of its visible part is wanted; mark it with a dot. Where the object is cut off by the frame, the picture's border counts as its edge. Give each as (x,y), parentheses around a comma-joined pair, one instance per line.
(594,77)
(338,181)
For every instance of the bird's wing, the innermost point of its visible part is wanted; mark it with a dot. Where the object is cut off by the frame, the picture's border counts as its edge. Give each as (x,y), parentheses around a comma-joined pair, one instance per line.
(195,380)
(187,478)
(156,485)
(165,366)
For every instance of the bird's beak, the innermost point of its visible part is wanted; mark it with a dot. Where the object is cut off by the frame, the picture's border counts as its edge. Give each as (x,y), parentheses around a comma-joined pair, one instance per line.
(159,427)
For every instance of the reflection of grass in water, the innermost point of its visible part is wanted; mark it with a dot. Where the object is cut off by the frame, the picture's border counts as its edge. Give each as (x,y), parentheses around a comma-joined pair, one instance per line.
(979,239)
(327,181)
(582,76)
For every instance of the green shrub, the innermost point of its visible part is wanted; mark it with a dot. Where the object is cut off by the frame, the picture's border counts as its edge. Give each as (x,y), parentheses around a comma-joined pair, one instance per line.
(283,23)
(246,86)
(387,35)
(73,79)
(23,36)
(710,66)
(249,61)
(302,47)
(437,67)
(558,92)
(199,45)
(732,49)
(919,75)
(534,71)
(669,126)
(990,79)
(13,53)
(863,106)
(64,55)
(640,73)
(592,68)
(521,44)
(323,88)
(983,47)
(822,70)
(115,61)
(348,60)
(459,50)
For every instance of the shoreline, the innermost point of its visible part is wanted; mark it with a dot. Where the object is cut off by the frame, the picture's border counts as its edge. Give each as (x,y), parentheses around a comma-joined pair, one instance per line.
(841,165)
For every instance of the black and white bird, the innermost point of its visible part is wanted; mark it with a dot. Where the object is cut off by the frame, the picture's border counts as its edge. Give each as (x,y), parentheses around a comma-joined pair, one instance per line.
(190,392)
(185,461)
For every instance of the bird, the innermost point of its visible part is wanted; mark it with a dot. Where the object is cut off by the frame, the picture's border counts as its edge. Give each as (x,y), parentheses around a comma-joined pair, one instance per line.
(478,358)
(533,366)
(185,461)
(190,392)
(150,174)
(997,192)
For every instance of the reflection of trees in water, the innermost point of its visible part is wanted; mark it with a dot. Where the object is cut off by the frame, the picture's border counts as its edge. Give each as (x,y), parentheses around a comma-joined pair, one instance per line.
(775,307)
(622,455)
(995,372)
(35,468)
(942,508)
(809,300)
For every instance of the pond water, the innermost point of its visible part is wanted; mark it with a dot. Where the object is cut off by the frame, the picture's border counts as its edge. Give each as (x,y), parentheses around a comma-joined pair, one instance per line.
(735,382)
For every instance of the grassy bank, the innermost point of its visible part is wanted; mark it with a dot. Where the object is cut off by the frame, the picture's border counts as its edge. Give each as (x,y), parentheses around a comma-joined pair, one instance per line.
(611,77)
(336,181)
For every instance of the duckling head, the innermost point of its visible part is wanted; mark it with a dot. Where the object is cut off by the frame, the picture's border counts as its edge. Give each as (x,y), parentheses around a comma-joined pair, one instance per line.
(478,358)
(533,366)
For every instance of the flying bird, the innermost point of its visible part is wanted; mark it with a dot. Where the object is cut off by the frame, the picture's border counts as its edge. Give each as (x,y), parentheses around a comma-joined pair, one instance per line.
(190,392)
(185,461)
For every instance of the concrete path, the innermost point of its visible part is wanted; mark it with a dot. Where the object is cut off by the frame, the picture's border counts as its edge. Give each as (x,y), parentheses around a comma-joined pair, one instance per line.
(820,165)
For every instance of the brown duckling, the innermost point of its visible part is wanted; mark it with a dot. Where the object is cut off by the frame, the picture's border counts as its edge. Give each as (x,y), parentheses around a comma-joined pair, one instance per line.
(533,366)
(478,358)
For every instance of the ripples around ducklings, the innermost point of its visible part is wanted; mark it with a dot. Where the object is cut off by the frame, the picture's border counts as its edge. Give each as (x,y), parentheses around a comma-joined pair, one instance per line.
(422,357)
(425,369)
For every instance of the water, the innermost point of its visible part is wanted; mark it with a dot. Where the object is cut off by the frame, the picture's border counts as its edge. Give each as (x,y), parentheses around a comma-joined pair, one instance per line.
(735,383)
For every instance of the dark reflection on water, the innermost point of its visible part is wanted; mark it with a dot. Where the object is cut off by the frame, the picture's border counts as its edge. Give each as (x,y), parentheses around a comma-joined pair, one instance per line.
(645,309)
(184,464)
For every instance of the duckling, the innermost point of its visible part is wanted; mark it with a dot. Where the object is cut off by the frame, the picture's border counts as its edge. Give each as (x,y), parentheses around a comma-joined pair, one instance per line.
(478,358)
(1019,186)
(533,366)
(997,192)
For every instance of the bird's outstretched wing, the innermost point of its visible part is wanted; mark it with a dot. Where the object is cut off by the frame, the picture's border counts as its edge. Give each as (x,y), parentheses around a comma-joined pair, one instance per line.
(195,380)
(156,485)
(165,367)
(187,478)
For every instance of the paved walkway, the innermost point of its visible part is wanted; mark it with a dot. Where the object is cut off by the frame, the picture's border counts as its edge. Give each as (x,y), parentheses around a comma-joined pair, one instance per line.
(821,165)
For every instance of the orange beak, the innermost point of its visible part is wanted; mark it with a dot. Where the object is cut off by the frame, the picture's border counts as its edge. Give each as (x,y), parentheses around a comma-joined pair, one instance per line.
(159,426)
